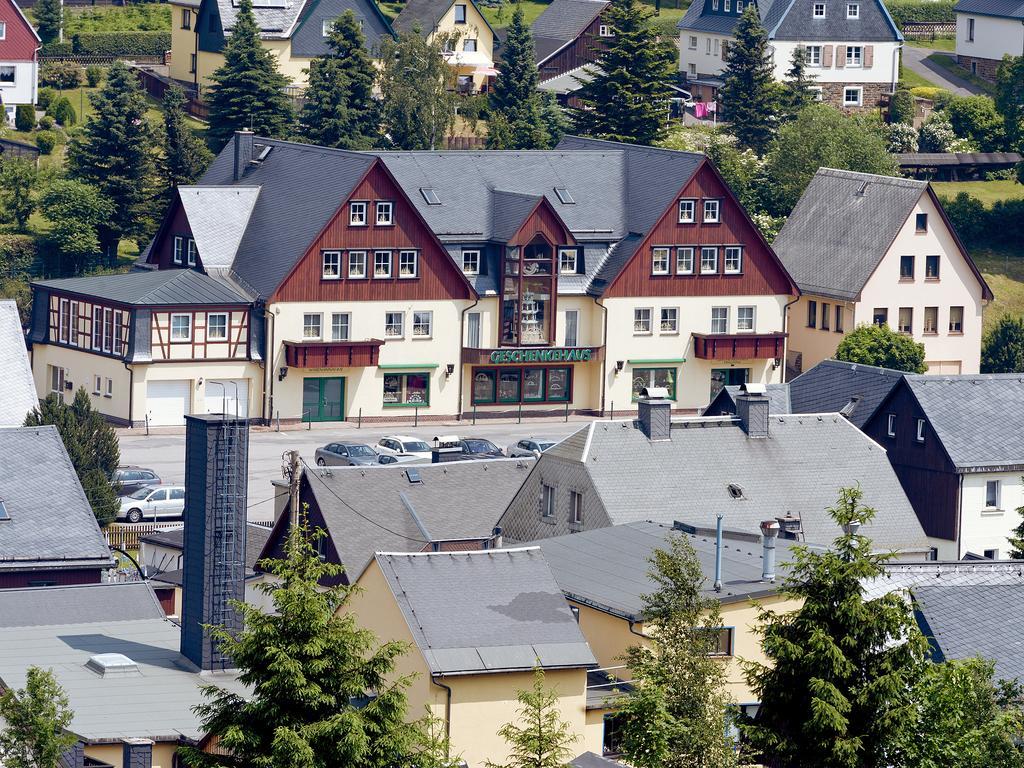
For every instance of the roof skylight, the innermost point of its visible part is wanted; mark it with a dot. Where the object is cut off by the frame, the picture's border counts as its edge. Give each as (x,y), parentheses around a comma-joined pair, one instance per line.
(564,197)
(430,195)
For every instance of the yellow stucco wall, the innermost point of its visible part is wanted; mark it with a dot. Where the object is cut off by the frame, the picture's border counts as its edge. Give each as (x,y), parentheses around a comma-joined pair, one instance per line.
(475,28)
(81,369)
(163,754)
(183,42)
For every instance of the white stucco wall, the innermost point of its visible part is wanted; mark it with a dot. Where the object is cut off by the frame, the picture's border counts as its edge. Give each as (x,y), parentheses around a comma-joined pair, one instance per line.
(982,527)
(993,37)
(23,89)
(707,55)
(885,64)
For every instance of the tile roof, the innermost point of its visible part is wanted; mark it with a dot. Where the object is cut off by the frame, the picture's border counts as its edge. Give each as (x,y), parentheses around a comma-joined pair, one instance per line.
(831,384)
(790,20)
(218,217)
(485,612)
(150,287)
(1011,9)
(561,22)
(78,604)
(454,500)
(842,227)
(255,539)
(594,760)
(978,418)
(49,527)
(19,387)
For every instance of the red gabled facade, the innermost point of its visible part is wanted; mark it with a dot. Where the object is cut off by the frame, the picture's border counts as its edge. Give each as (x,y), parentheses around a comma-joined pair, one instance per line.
(20,42)
(544,221)
(762,273)
(175,224)
(585,49)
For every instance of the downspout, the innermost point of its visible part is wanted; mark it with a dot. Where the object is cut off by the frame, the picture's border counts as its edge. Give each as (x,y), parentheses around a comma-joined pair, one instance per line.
(785,326)
(131,392)
(604,363)
(447,714)
(896,67)
(269,358)
(462,335)
(632,623)
(959,516)
(35,77)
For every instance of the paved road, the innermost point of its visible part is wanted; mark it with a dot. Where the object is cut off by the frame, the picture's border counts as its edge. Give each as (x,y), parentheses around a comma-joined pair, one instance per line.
(165,453)
(915,59)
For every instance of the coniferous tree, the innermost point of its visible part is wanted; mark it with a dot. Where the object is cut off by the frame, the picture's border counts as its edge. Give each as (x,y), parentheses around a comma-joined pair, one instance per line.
(750,95)
(340,110)
(185,156)
(248,91)
(798,93)
(1016,538)
(91,444)
(628,98)
(675,712)
(417,90)
(1002,347)
(1009,99)
(114,154)
(49,20)
(515,100)
(539,738)
(34,722)
(837,691)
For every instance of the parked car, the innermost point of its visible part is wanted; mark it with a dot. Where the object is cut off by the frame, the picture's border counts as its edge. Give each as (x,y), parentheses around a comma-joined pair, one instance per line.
(530,447)
(402,458)
(479,448)
(153,503)
(133,478)
(345,455)
(402,444)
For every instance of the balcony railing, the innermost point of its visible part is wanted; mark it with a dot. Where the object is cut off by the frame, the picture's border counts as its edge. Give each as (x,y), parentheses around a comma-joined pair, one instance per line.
(332,354)
(738,346)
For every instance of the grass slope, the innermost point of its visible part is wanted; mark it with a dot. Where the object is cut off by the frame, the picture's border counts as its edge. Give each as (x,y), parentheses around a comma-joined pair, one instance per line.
(1004,273)
(987,192)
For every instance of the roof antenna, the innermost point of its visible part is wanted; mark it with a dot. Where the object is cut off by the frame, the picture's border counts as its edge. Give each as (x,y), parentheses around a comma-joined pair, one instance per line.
(863,189)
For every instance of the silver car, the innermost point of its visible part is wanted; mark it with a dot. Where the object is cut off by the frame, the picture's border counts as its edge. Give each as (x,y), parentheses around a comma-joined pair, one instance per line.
(530,447)
(153,503)
(345,455)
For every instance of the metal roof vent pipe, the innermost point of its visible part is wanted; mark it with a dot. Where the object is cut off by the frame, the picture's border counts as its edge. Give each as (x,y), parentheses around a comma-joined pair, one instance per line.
(769,534)
(752,410)
(718,554)
(654,413)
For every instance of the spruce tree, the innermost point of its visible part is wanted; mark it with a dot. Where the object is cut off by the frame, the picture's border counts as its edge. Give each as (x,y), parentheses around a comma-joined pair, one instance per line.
(798,93)
(340,110)
(185,156)
(749,95)
(515,100)
(248,91)
(628,98)
(114,153)
(539,738)
(49,20)
(1016,537)
(34,722)
(837,691)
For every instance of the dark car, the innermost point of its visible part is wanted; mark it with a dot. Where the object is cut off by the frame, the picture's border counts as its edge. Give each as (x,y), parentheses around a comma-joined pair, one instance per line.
(479,448)
(345,455)
(132,479)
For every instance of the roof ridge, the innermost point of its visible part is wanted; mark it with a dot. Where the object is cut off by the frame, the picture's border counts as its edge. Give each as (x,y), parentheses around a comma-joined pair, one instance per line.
(466,553)
(897,181)
(164,283)
(831,362)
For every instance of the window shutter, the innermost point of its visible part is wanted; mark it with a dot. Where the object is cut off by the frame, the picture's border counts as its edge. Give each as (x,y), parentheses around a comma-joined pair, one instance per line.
(826,56)
(840,56)
(869,56)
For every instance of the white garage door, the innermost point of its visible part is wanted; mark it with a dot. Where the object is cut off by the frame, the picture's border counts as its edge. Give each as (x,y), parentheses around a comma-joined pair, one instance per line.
(221,396)
(167,402)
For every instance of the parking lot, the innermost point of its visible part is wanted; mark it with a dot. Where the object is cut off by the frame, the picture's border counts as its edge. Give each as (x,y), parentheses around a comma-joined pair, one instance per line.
(165,453)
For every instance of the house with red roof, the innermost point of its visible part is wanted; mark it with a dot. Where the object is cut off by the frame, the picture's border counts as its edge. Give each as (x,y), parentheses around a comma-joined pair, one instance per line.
(19,59)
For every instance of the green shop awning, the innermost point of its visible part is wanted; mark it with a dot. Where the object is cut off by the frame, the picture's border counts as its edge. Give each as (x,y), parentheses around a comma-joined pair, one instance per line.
(668,361)
(397,366)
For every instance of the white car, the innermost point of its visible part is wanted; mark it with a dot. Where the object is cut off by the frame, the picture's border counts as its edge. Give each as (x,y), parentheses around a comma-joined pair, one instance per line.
(402,445)
(532,446)
(152,503)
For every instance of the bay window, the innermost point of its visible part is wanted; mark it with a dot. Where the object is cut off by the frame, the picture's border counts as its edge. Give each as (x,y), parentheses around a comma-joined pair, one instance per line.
(528,294)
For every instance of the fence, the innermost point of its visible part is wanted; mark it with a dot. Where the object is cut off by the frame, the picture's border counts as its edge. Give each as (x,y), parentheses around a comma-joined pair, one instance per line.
(929,28)
(88,59)
(156,86)
(127,535)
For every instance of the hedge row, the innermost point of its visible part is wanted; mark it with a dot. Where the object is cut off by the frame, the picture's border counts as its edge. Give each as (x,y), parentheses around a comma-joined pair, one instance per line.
(122,43)
(58,49)
(907,11)
(976,224)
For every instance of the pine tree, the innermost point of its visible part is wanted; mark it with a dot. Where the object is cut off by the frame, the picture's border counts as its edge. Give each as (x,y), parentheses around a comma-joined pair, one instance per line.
(114,153)
(308,664)
(838,689)
(798,93)
(417,90)
(91,444)
(34,722)
(248,91)
(515,100)
(749,95)
(340,110)
(49,20)
(1016,539)
(185,156)
(539,738)
(629,96)
(674,714)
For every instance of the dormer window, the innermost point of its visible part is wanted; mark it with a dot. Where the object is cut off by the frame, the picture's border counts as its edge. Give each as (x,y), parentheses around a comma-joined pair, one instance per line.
(853,10)
(819,10)
(728,6)
(714,5)
(357,214)
(179,249)
(471,262)
(567,261)
(192,252)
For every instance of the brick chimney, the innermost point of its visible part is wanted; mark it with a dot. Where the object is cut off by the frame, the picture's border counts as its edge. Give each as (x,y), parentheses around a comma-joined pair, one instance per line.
(752,410)
(654,413)
(137,753)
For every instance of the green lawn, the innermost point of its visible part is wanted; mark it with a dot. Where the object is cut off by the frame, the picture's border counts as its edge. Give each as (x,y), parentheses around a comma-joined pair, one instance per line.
(987,192)
(1004,273)
(911,79)
(938,43)
(949,64)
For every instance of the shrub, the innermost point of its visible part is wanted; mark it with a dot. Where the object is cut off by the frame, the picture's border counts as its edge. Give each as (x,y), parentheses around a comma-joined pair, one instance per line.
(25,117)
(62,111)
(901,138)
(901,107)
(46,141)
(46,123)
(45,97)
(906,11)
(978,225)
(94,75)
(882,346)
(17,256)
(976,118)
(122,43)
(61,74)
(936,135)
(58,49)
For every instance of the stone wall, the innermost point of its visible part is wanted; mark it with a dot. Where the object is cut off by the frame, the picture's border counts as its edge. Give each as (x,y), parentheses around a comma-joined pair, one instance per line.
(984,68)
(873,96)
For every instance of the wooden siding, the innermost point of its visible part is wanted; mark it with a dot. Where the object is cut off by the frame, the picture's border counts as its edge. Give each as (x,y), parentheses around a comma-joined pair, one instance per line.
(332,354)
(762,273)
(176,224)
(583,50)
(546,222)
(438,279)
(738,346)
(927,475)
(198,346)
(19,44)
(65,577)
(78,334)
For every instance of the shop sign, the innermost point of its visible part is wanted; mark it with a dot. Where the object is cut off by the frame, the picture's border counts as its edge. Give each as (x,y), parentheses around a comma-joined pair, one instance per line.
(547,355)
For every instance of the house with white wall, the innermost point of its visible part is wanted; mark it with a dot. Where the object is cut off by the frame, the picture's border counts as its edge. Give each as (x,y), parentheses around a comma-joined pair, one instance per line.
(987,30)
(853,46)
(19,60)
(877,249)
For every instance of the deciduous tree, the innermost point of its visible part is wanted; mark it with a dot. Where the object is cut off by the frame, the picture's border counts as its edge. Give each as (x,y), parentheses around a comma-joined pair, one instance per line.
(1010,99)
(515,101)
(417,90)
(1002,349)
(880,345)
(76,211)
(539,738)
(34,722)
(17,182)
(749,94)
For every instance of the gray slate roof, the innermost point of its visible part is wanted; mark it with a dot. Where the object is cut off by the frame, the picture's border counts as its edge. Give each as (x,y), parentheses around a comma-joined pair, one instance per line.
(19,396)
(485,612)
(778,400)
(842,227)
(51,525)
(455,500)
(789,20)
(978,418)
(831,384)
(1011,9)
(609,568)
(510,210)
(218,217)
(562,22)
(594,760)
(80,604)
(422,13)
(149,287)
(274,22)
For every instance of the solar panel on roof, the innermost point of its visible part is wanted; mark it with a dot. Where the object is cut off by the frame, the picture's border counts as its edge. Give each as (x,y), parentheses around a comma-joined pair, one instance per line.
(430,195)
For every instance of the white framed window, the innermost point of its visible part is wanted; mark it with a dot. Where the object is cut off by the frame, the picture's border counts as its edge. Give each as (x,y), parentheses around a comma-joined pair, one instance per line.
(181,329)
(711,211)
(110,388)
(669,320)
(719,319)
(357,214)
(108,329)
(819,11)
(727,6)
(920,431)
(733,260)
(471,262)
(572,327)
(687,211)
(382,264)
(312,325)
(394,324)
(707,42)
(385,210)
(408,264)
(660,259)
(708,260)
(853,10)
(8,74)
(604,31)
(956,319)
(64,321)
(460,14)
(852,96)
(193,252)
(469,45)
(567,261)
(73,323)
(692,69)
(356,265)
(3,30)
(746,319)
(575,507)
(890,425)
(422,324)
(684,261)
(118,322)
(816,92)
(992,494)
(473,330)
(739,6)
(547,500)
(813,55)
(328,25)
(331,265)
(57,376)
(716,39)
(693,42)
(97,385)
(854,55)
(970,30)
(97,328)
(341,324)
(179,249)
(642,320)
(217,326)
(906,320)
